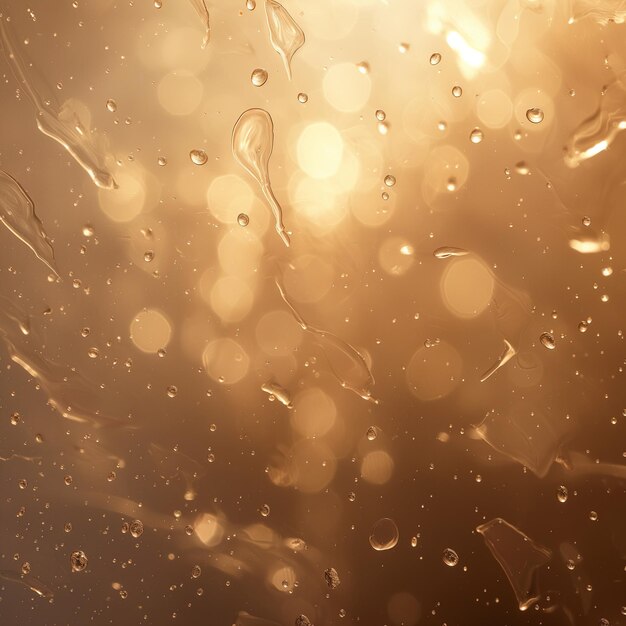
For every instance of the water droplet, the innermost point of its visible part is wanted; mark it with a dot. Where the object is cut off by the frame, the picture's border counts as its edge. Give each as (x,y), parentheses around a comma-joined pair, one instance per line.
(285,34)
(450,557)
(23,484)
(390,180)
(383,127)
(265,510)
(570,564)
(85,332)
(586,221)
(252,145)
(457,91)
(413,542)
(92,353)
(198,157)
(243,219)
(162,161)
(547,340)
(196,571)
(172,390)
(158,4)
(136,528)
(250,5)
(303,98)
(67,527)
(111,105)
(435,58)
(593,516)
(372,433)
(259,77)
(148,256)
(15,419)
(534,115)
(522,168)
(384,534)
(562,493)
(332,578)
(403,48)
(380,115)
(68,480)
(476,136)
(446,252)
(451,184)
(363,67)
(303,620)
(607,271)
(88,230)
(78,561)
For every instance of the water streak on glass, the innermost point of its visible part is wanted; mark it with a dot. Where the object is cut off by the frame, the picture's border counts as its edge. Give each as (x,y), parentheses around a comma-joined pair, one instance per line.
(252,146)
(59,122)
(285,34)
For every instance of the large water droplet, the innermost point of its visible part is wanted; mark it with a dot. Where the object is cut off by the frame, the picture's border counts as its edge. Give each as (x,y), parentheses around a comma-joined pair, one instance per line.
(450,557)
(78,561)
(198,157)
(285,34)
(547,340)
(259,77)
(534,115)
(384,534)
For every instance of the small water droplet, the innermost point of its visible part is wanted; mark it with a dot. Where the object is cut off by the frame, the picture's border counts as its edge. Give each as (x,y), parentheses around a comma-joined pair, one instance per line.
(172,390)
(380,115)
(570,564)
(457,91)
(196,571)
(593,516)
(547,340)
(372,433)
(363,67)
(92,353)
(259,77)
(250,5)
(435,58)
(451,184)
(390,180)
(148,256)
(243,219)
(162,161)
(476,136)
(534,115)
(450,557)
(562,493)
(303,98)
(88,230)
(111,105)
(522,168)
(265,510)
(198,157)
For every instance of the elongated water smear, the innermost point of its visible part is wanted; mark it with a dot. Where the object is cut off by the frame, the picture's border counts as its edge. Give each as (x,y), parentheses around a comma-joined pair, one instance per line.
(34,584)
(285,34)
(598,132)
(448,251)
(203,13)
(518,555)
(60,123)
(602,11)
(278,392)
(505,357)
(17,213)
(252,145)
(357,379)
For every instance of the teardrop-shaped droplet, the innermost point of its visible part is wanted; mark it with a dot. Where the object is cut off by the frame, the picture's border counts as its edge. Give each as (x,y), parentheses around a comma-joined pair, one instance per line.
(198,157)
(384,534)
(285,34)
(534,115)
(259,77)
(446,252)
(252,145)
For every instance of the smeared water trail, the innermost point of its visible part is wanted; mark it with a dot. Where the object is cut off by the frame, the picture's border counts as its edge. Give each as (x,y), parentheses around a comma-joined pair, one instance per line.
(602,11)
(505,357)
(278,392)
(448,251)
(203,13)
(252,145)
(285,34)
(60,123)
(34,584)
(17,213)
(361,379)
(518,555)
(597,133)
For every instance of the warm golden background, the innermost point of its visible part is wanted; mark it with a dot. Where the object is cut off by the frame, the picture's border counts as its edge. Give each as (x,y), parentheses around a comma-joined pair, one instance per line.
(424,391)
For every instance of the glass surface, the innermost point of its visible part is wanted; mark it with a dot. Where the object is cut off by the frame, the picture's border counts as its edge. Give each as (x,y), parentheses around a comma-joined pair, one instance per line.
(313,312)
